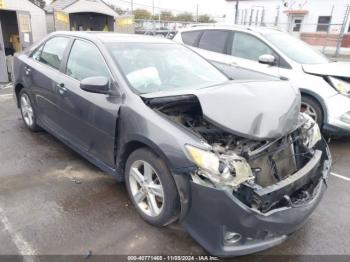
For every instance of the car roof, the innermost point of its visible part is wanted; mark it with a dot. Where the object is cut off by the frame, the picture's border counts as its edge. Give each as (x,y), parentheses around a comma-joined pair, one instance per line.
(244,28)
(110,37)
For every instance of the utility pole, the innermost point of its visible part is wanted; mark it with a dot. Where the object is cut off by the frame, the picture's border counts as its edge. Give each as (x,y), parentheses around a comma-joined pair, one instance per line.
(328,30)
(197,13)
(159,13)
(277,15)
(132,6)
(342,30)
(236,14)
(153,8)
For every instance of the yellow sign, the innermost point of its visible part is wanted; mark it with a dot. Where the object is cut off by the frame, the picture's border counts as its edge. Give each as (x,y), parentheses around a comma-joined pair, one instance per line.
(125,21)
(2,4)
(62,17)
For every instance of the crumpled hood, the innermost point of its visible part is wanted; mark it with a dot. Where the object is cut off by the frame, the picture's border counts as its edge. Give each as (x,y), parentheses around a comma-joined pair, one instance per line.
(256,110)
(341,69)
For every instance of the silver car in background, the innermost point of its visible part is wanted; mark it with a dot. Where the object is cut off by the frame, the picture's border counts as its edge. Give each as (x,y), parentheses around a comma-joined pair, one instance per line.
(324,84)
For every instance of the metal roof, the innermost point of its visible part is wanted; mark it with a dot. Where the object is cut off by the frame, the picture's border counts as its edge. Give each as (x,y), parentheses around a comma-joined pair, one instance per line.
(59,5)
(63,4)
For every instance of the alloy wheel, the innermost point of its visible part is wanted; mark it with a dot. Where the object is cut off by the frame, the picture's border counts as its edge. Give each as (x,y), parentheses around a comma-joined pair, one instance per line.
(27,110)
(309,110)
(146,188)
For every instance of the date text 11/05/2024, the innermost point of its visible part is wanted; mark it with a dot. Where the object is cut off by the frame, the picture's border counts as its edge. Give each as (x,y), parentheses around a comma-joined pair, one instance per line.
(172,258)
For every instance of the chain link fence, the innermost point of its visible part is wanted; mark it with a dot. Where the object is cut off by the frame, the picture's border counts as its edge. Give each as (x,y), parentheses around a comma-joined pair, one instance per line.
(333,39)
(159,27)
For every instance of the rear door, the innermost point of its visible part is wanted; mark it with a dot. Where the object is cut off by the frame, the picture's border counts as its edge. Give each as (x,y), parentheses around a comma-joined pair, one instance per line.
(41,71)
(25,29)
(214,45)
(89,118)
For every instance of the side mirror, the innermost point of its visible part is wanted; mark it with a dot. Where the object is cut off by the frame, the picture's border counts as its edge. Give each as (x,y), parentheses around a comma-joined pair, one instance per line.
(96,84)
(267,59)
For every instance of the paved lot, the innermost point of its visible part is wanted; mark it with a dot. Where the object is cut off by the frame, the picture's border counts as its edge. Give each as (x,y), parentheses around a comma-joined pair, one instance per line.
(52,201)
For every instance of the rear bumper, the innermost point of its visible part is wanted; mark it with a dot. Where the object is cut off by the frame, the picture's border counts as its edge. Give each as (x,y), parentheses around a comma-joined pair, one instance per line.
(213,212)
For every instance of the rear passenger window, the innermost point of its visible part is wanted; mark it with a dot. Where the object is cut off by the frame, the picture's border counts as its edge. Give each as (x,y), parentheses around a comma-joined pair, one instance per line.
(85,61)
(191,38)
(214,40)
(53,51)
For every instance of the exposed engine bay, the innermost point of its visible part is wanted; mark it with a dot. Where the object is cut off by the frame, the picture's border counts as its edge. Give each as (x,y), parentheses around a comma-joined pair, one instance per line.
(242,165)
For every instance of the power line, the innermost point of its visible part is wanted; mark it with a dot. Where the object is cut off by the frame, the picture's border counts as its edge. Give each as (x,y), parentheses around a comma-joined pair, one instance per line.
(131,2)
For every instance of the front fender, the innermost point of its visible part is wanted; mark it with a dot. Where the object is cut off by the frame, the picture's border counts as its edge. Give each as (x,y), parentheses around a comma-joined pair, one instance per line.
(139,123)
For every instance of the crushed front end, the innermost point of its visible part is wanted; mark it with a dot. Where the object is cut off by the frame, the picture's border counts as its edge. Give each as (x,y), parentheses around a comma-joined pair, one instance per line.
(248,195)
(251,217)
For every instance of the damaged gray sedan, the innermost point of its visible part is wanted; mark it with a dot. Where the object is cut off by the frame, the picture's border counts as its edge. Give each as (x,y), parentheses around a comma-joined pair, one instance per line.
(234,161)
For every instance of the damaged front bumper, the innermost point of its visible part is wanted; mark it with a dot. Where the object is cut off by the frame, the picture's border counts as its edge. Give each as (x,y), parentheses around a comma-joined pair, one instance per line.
(215,217)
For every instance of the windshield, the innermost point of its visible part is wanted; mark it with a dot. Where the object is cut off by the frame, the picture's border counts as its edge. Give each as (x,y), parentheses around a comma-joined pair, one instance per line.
(151,67)
(296,49)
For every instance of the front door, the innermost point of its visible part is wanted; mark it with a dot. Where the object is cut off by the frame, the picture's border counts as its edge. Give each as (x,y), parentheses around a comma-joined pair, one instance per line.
(89,118)
(3,66)
(245,51)
(25,29)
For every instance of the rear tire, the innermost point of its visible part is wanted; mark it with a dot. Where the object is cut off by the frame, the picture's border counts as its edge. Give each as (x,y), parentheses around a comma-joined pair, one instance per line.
(312,108)
(28,111)
(151,188)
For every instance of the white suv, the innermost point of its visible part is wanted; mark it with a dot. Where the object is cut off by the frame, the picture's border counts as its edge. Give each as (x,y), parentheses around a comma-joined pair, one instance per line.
(324,85)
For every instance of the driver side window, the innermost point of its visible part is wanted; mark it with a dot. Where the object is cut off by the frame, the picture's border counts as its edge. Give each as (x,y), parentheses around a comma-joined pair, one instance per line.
(249,47)
(37,53)
(85,61)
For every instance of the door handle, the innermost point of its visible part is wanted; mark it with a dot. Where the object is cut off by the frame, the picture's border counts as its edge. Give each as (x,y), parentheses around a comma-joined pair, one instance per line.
(61,89)
(27,70)
(234,64)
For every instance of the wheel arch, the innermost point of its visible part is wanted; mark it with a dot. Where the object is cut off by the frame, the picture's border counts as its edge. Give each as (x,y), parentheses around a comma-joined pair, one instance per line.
(134,144)
(17,88)
(318,99)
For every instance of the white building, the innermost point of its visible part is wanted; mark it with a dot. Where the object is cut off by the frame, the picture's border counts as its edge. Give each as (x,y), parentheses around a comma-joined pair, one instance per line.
(82,15)
(21,24)
(309,18)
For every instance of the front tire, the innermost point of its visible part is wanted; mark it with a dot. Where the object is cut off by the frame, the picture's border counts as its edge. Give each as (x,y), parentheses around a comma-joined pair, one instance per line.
(28,111)
(312,108)
(151,188)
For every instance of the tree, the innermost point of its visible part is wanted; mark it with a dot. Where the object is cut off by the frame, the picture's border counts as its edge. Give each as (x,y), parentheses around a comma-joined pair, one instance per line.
(155,17)
(40,3)
(117,9)
(205,19)
(142,14)
(166,16)
(184,17)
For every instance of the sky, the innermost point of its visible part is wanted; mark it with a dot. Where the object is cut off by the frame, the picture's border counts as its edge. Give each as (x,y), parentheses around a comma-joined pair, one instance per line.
(212,7)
